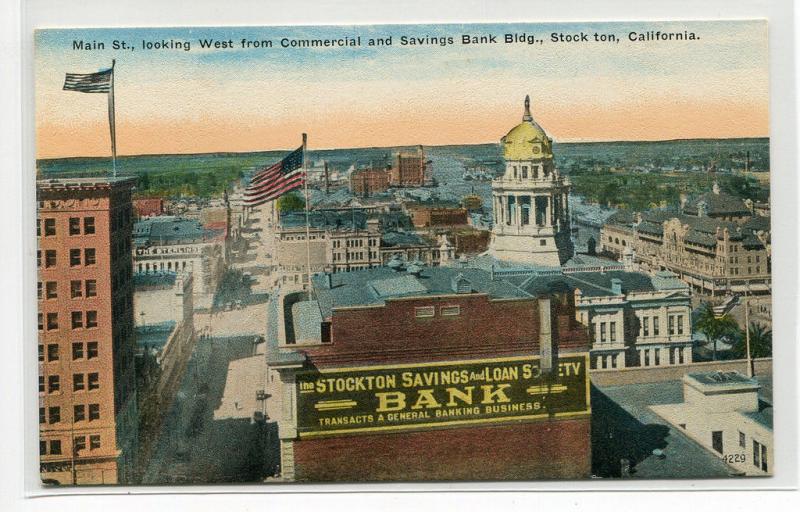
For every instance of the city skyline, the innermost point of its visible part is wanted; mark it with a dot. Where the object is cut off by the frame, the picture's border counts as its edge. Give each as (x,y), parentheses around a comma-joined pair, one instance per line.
(259,100)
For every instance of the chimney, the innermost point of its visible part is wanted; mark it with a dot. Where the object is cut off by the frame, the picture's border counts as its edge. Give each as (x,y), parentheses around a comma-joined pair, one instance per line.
(328,280)
(327,178)
(616,286)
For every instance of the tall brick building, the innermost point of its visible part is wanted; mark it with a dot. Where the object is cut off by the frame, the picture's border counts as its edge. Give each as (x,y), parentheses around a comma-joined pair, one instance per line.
(417,373)
(408,169)
(87,394)
(366,182)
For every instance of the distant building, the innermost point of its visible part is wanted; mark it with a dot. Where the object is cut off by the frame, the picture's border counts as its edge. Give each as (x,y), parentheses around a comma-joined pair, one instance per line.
(366,182)
(88,419)
(433,215)
(383,375)
(723,412)
(408,169)
(148,206)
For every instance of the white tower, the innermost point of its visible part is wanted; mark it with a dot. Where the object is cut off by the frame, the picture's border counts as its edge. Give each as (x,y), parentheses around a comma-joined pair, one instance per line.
(531,209)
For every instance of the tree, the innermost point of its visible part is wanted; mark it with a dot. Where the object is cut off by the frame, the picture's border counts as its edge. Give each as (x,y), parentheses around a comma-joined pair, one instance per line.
(760,342)
(290,203)
(715,329)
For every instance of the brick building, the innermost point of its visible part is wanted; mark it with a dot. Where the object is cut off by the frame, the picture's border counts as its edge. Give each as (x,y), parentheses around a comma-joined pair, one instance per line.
(148,207)
(411,373)
(87,395)
(408,169)
(426,216)
(366,182)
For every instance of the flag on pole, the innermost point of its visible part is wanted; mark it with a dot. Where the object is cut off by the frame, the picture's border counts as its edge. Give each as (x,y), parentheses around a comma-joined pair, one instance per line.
(272,182)
(100,82)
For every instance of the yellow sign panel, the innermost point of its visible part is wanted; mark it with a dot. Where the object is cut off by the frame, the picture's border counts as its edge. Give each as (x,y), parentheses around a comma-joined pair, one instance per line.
(416,396)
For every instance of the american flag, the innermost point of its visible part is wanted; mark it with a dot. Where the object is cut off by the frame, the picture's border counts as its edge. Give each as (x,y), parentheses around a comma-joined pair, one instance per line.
(92,82)
(272,182)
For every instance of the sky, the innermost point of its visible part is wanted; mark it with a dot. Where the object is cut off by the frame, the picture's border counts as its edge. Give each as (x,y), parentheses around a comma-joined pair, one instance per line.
(204,100)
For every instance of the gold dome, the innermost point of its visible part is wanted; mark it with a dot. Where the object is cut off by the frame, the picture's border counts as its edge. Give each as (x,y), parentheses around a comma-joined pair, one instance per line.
(527,140)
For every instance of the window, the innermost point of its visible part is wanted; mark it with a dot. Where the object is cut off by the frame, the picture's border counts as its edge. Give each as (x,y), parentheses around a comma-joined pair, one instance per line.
(77,350)
(41,353)
(79,412)
(612,329)
(41,384)
(39,290)
(77,319)
(716,441)
(52,352)
(741,439)
(52,321)
(425,312)
(41,321)
(42,416)
(646,326)
(655,326)
(77,382)
(91,350)
(647,357)
(756,454)
(94,412)
(91,288)
(53,383)
(89,256)
(680,324)
(50,258)
(54,414)
(75,289)
(74,257)
(94,442)
(88,226)
(79,443)
(38,227)
(74,226)
(94,381)
(55,447)
(49,227)
(763,458)
(42,447)
(657,356)
(91,319)
(51,290)
(451,310)
(671,325)
(602,332)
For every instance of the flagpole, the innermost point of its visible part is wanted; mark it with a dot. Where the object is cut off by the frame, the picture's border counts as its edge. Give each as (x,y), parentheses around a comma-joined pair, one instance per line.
(112,122)
(308,226)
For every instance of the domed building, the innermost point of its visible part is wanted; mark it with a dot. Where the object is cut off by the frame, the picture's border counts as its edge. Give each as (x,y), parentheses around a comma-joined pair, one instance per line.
(530,200)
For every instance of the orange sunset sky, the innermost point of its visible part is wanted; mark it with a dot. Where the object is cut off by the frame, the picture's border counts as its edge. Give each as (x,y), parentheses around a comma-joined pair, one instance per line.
(175,101)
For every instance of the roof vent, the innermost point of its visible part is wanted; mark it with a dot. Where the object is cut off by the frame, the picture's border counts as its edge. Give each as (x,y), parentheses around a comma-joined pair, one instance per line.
(461,284)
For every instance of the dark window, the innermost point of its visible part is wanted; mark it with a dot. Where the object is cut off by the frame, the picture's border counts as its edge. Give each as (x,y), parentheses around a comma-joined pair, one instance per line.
(42,447)
(41,384)
(75,289)
(79,412)
(38,259)
(756,454)
(79,443)
(52,321)
(763,457)
(77,319)
(39,290)
(716,441)
(94,442)
(38,227)
(91,350)
(41,353)
(655,326)
(612,327)
(671,325)
(41,321)
(94,381)
(680,324)
(55,447)
(74,257)
(94,412)
(50,258)
(74,226)
(54,414)
(42,417)
(51,290)
(91,319)
(88,226)
(52,352)
(77,350)
(53,383)
(77,382)
(91,288)
(49,227)
(89,256)
(741,439)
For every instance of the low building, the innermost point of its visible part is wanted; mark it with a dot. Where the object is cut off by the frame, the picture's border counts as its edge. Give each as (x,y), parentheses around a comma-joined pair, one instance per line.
(367,182)
(722,411)
(414,247)
(427,216)
(384,375)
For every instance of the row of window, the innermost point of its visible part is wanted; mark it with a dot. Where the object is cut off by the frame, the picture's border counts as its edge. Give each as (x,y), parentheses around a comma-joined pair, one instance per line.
(74,226)
(80,382)
(79,320)
(80,350)
(675,323)
(675,356)
(79,443)
(77,288)
(430,311)
(75,260)
(52,415)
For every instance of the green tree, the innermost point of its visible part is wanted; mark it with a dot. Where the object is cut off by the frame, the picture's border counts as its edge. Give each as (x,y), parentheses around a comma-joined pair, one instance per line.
(290,203)
(715,329)
(760,342)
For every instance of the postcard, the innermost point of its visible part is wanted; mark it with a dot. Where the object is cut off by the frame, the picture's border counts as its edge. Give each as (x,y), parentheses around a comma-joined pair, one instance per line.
(404,253)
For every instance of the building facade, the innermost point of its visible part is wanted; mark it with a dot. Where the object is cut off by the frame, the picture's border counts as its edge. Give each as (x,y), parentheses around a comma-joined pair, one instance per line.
(87,393)
(408,169)
(366,182)
(427,216)
(530,200)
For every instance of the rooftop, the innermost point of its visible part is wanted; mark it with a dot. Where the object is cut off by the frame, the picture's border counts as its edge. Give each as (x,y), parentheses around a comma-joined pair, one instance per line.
(166,228)
(85,183)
